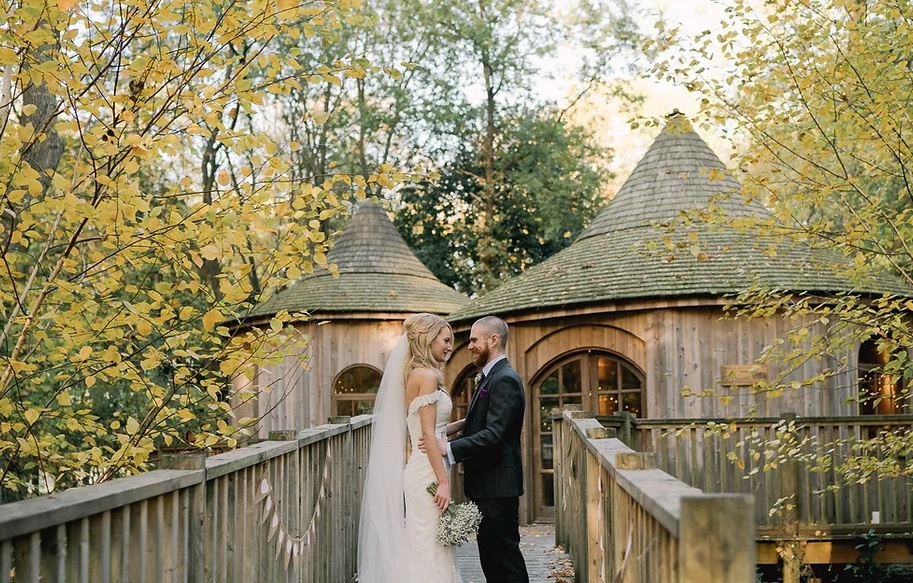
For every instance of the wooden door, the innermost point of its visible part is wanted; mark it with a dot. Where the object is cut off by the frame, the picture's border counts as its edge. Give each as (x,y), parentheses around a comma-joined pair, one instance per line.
(599,382)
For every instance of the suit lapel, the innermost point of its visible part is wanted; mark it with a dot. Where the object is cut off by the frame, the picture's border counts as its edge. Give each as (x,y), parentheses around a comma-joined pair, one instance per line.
(475,397)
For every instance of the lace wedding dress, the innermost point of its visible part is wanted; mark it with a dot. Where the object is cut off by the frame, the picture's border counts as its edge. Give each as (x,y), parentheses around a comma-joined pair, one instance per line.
(429,562)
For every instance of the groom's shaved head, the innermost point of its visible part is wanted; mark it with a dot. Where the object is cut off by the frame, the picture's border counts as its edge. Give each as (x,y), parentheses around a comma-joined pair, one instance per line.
(492,325)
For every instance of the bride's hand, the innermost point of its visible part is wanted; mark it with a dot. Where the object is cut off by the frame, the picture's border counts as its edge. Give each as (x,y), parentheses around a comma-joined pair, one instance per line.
(442,496)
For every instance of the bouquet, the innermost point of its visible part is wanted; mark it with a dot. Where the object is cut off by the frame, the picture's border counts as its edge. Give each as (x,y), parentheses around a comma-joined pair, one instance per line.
(458,523)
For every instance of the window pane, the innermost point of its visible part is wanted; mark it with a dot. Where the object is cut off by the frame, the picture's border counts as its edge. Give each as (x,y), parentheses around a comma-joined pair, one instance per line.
(546,443)
(550,385)
(547,407)
(362,407)
(631,403)
(548,489)
(608,374)
(357,379)
(346,408)
(629,380)
(571,400)
(608,403)
(570,377)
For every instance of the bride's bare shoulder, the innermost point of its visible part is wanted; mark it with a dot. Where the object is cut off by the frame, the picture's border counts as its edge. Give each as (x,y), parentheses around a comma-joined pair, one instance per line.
(423,379)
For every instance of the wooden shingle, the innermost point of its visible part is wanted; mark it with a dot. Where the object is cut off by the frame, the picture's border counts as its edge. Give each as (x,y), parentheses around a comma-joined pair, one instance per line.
(377,273)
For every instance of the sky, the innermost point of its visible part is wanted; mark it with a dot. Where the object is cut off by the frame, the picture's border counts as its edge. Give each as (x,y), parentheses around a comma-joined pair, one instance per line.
(611,118)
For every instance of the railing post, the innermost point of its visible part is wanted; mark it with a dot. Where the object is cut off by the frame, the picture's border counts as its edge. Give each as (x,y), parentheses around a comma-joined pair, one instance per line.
(595,512)
(559,428)
(626,431)
(715,539)
(196,512)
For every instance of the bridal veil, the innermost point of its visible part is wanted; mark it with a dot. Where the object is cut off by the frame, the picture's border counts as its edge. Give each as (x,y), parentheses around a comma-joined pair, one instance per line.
(382,544)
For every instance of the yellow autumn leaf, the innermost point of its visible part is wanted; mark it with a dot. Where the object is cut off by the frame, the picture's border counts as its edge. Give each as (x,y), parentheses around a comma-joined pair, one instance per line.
(320,117)
(223,178)
(286,4)
(32,415)
(85,352)
(90,382)
(65,5)
(64,398)
(210,318)
(132,426)
(144,327)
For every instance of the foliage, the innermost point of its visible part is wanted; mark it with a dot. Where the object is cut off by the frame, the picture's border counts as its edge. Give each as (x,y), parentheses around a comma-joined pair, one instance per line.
(819,95)
(146,204)
(455,79)
(549,185)
(865,569)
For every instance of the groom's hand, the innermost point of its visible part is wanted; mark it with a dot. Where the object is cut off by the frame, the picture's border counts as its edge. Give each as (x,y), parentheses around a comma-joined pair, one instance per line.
(441,442)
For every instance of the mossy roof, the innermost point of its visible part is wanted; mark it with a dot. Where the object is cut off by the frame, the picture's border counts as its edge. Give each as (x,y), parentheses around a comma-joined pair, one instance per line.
(630,252)
(377,273)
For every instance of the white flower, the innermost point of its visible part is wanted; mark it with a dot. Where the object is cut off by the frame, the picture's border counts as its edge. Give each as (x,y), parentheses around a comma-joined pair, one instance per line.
(459,523)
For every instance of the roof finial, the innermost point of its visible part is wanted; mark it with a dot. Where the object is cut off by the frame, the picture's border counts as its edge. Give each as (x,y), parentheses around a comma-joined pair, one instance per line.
(678,123)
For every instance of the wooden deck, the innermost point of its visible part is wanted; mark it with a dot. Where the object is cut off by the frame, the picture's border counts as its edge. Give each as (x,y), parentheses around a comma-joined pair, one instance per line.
(682,509)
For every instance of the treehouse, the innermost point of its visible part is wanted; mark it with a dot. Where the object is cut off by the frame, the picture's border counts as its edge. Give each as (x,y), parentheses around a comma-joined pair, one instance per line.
(630,317)
(354,321)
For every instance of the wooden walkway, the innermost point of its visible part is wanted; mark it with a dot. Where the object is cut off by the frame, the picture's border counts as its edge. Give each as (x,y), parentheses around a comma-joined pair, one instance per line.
(545,562)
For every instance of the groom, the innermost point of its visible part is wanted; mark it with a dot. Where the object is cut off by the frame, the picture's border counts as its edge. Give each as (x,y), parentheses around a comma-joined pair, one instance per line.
(490,452)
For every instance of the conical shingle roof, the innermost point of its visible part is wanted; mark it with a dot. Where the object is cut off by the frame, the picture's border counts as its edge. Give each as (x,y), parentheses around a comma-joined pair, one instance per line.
(629,252)
(377,273)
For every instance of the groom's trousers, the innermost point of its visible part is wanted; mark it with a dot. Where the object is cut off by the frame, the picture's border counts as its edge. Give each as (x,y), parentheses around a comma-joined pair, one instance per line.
(499,541)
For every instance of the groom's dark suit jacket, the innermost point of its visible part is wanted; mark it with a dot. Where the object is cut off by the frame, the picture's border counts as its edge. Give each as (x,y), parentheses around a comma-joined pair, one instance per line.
(490,446)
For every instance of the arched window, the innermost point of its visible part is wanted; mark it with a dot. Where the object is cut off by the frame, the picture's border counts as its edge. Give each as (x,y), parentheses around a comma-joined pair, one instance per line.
(597,381)
(879,393)
(355,389)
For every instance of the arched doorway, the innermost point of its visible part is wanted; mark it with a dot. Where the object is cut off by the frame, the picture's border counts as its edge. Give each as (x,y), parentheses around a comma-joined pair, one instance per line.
(596,380)
(355,389)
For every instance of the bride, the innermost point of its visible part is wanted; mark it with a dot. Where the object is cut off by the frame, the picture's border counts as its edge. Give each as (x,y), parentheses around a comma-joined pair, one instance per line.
(397,537)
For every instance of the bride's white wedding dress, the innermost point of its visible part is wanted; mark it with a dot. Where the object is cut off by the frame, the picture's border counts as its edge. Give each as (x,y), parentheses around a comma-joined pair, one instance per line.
(429,562)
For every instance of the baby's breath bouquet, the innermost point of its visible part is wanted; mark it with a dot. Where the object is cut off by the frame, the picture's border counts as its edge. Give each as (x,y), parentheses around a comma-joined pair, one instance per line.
(459,522)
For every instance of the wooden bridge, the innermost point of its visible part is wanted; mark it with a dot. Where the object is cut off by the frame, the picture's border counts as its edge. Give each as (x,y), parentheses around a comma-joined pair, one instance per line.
(643,501)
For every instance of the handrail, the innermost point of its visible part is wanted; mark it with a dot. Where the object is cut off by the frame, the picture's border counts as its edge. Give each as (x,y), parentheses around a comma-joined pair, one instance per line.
(281,510)
(623,519)
(793,467)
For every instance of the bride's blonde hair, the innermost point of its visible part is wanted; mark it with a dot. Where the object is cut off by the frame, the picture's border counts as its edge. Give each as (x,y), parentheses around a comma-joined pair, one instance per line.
(421,330)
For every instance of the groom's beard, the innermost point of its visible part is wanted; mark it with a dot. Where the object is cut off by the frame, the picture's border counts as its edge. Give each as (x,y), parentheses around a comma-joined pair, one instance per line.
(481,358)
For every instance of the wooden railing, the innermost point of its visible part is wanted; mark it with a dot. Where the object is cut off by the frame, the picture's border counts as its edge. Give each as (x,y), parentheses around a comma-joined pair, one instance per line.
(284,510)
(624,520)
(791,465)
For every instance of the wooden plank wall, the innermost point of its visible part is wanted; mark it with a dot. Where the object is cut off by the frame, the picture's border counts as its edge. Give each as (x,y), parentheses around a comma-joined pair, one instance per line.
(624,520)
(682,351)
(292,396)
(281,511)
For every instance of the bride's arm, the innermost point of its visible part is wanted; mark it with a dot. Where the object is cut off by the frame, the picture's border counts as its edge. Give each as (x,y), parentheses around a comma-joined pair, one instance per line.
(424,382)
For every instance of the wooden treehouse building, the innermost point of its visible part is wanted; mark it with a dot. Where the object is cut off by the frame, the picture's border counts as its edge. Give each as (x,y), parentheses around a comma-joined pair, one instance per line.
(617,337)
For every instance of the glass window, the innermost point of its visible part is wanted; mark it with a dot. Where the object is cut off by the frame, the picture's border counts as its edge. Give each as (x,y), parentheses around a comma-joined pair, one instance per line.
(355,389)
(598,382)
(879,393)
